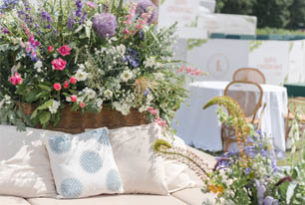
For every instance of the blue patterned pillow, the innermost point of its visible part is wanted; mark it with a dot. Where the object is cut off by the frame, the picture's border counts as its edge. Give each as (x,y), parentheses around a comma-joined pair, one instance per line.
(83,165)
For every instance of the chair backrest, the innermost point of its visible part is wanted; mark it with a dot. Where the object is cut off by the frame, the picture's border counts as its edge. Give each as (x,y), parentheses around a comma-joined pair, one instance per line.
(248,94)
(249,74)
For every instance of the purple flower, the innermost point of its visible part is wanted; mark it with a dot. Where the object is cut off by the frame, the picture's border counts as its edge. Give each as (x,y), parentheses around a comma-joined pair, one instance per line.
(260,192)
(46,16)
(222,163)
(145,7)
(105,24)
(8,4)
(248,171)
(132,58)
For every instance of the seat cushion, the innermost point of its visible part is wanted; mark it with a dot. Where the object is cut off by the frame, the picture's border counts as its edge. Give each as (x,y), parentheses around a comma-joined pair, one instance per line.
(194,196)
(10,200)
(111,200)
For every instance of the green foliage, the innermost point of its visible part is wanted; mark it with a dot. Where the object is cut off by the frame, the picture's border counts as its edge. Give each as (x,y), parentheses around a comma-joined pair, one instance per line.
(288,14)
(268,31)
(243,7)
(273,13)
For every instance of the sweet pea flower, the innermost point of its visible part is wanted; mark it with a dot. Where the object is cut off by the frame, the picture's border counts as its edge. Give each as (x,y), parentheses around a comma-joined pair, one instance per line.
(16,79)
(66,84)
(64,50)
(73,98)
(50,49)
(153,111)
(91,4)
(59,64)
(73,80)
(160,122)
(82,105)
(57,86)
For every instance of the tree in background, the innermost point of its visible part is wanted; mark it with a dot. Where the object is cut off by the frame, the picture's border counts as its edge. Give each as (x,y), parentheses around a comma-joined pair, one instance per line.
(297,14)
(272,13)
(243,7)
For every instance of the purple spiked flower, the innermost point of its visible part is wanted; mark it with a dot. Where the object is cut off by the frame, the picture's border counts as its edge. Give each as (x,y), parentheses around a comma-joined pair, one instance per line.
(146,7)
(105,24)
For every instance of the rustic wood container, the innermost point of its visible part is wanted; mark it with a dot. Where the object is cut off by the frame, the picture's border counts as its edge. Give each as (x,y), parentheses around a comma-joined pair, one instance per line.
(75,122)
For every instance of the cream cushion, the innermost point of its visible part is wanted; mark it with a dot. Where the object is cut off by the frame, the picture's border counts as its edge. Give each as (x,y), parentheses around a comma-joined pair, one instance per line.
(112,200)
(194,196)
(10,200)
(83,165)
(141,169)
(24,164)
(177,174)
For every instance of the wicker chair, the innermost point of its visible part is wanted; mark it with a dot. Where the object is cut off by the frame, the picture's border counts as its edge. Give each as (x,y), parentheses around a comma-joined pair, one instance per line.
(250,101)
(295,105)
(249,74)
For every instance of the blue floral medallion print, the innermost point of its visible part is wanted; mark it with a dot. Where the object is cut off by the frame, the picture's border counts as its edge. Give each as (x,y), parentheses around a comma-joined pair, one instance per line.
(113,180)
(60,144)
(91,161)
(71,188)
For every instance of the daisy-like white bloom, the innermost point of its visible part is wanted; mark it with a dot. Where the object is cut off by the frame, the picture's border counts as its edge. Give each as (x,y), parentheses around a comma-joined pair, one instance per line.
(126,75)
(108,94)
(38,65)
(88,92)
(151,63)
(81,75)
(55,105)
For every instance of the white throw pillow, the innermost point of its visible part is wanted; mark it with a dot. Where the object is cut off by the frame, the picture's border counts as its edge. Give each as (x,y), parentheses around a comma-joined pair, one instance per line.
(83,165)
(24,164)
(141,169)
(177,174)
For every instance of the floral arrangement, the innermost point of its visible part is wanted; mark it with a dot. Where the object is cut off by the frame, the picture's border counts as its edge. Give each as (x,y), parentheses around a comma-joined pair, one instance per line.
(86,54)
(251,175)
(258,180)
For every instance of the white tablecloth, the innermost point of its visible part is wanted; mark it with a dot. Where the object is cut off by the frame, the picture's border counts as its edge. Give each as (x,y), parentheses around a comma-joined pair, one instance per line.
(202,129)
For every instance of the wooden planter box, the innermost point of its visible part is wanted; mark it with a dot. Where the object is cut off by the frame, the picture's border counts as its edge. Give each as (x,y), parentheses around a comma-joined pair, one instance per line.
(75,122)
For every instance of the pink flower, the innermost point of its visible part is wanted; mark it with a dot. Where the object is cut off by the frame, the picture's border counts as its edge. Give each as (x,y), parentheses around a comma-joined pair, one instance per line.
(16,79)
(139,26)
(73,98)
(189,70)
(126,31)
(181,69)
(82,105)
(64,50)
(73,80)
(91,4)
(160,122)
(66,84)
(59,64)
(153,111)
(57,86)
(50,49)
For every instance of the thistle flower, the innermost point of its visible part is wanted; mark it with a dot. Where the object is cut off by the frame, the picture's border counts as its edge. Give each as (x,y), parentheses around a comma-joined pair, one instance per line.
(147,7)
(105,24)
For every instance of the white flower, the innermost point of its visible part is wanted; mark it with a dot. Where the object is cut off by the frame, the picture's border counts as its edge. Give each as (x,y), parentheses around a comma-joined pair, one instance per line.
(123,108)
(88,92)
(99,103)
(150,62)
(81,66)
(55,105)
(126,75)
(38,65)
(108,94)
(81,75)
(121,49)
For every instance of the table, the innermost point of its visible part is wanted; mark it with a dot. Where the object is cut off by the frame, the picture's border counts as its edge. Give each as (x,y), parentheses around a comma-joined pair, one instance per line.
(202,129)
(295,90)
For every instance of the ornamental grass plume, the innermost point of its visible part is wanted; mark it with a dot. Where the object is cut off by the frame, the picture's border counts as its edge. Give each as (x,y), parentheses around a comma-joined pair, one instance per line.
(195,163)
(147,7)
(105,25)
